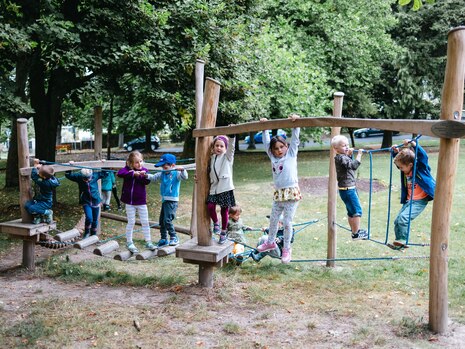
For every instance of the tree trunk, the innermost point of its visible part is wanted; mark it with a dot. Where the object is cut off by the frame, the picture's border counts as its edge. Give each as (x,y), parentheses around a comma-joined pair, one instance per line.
(387,139)
(251,145)
(188,150)
(148,140)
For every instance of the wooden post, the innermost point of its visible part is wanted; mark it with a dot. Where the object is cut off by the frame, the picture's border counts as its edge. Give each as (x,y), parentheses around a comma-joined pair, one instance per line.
(25,193)
(204,235)
(451,105)
(199,76)
(98,141)
(332,184)
(98,132)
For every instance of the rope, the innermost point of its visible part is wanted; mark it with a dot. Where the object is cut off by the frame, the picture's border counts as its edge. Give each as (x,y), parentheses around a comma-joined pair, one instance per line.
(357,259)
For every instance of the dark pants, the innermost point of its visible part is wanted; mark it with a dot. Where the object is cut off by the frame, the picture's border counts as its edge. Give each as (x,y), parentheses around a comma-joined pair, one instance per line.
(35,207)
(91,223)
(167,216)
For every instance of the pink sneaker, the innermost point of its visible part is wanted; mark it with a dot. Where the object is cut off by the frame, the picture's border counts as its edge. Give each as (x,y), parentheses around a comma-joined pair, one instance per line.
(266,246)
(286,256)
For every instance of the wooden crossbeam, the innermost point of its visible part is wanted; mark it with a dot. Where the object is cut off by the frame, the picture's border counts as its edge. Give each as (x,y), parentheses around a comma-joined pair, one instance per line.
(97,164)
(433,128)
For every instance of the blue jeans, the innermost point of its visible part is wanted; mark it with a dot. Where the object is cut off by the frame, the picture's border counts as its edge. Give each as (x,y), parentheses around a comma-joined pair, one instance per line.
(167,216)
(352,202)
(402,219)
(91,223)
(35,207)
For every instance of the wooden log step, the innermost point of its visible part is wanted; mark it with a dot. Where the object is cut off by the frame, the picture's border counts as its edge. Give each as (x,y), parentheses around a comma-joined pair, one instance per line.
(106,248)
(146,254)
(86,242)
(67,235)
(166,250)
(123,256)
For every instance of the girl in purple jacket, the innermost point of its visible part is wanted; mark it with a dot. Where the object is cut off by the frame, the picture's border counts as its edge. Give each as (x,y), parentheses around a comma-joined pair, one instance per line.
(134,195)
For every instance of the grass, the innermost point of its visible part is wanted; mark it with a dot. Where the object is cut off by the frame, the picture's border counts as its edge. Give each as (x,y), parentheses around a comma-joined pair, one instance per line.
(378,300)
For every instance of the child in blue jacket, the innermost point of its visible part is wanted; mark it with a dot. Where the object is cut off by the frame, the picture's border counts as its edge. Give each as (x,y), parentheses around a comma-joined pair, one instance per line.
(89,196)
(423,190)
(170,182)
(40,207)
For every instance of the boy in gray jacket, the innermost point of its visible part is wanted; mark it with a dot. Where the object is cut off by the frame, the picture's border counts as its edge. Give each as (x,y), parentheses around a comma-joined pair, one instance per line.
(345,170)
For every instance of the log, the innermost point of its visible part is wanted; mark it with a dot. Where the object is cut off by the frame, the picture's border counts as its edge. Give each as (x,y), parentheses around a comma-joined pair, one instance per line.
(106,248)
(67,235)
(165,251)
(123,256)
(86,242)
(423,127)
(147,254)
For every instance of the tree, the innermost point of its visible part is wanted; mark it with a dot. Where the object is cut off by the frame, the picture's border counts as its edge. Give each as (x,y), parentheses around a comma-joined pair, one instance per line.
(72,43)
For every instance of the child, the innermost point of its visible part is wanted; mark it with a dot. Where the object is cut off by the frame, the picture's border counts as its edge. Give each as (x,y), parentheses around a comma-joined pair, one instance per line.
(345,170)
(277,252)
(236,230)
(107,185)
(89,196)
(221,183)
(423,190)
(135,197)
(170,182)
(40,206)
(286,183)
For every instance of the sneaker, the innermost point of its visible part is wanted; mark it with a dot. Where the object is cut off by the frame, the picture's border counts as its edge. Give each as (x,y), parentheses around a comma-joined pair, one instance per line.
(256,256)
(223,238)
(48,216)
(150,246)
(36,219)
(400,243)
(266,246)
(120,208)
(286,256)
(216,228)
(132,248)
(360,235)
(86,235)
(106,208)
(163,242)
(174,241)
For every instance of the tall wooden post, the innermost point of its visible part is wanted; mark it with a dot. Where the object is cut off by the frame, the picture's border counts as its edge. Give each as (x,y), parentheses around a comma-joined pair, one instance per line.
(25,193)
(332,185)
(208,119)
(98,144)
(452,104)
(199,76)
(98,132)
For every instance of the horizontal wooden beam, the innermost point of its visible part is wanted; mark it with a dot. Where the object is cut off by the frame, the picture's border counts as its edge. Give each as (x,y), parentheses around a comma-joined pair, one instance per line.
(98,164)
(424,127)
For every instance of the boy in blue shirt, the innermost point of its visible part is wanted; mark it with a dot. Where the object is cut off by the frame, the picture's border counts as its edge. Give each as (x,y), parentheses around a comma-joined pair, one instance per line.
(170,182)
(420,195)
(40,206)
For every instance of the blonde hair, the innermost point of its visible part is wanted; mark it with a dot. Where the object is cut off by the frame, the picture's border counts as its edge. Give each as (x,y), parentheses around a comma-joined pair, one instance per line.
(338,140)
(133,156)
(86,172)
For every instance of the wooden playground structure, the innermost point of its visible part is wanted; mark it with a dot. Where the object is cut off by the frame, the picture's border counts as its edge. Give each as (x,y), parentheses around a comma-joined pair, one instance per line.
(207,254)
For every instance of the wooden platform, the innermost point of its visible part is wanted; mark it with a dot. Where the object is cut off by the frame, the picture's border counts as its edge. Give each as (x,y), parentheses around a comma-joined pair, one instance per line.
(19,229)
(215,255)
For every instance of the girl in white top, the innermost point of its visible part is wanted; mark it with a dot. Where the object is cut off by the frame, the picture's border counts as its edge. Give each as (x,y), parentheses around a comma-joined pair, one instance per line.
(287,194)
(221,183)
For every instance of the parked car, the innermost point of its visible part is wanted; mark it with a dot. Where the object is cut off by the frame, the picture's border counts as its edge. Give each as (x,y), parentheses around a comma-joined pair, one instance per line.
(367,132)
(139,143)
(259,136)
